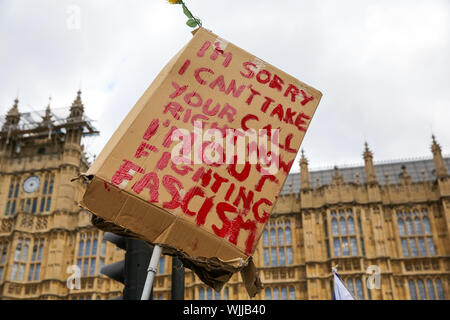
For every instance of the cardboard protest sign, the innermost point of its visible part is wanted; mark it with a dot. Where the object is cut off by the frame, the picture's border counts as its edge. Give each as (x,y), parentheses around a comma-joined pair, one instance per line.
(198,163)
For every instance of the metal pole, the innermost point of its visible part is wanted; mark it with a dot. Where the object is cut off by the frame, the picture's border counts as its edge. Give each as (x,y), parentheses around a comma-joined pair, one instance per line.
(151,272)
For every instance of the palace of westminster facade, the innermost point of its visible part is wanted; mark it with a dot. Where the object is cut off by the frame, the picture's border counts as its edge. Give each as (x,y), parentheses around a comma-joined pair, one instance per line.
(386,226)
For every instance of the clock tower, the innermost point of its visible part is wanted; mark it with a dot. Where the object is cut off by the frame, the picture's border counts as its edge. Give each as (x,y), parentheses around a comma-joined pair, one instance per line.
(48,247)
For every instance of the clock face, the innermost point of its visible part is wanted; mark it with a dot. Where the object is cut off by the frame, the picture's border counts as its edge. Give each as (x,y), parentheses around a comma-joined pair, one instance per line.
(31,184)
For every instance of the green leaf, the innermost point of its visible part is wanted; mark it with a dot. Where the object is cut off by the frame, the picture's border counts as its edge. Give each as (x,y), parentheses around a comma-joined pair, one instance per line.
(187,12)
(191,23)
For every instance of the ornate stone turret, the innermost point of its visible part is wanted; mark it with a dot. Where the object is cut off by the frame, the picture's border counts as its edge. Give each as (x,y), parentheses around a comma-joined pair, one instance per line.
(371,178)
(77,108)
(47,119)
(439,164)
(304,173)
(13,116)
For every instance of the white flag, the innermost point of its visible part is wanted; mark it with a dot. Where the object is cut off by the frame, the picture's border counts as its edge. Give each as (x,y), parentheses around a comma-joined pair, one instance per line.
(340,291)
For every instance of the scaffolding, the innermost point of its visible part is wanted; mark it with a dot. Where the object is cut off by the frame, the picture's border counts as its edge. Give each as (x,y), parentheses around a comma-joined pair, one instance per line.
(32,124)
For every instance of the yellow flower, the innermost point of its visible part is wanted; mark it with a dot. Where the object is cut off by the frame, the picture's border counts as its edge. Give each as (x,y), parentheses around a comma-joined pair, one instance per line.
(173,1)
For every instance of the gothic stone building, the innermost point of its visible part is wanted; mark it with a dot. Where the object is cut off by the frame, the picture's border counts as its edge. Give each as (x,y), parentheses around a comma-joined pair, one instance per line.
(44,235)
(386,226)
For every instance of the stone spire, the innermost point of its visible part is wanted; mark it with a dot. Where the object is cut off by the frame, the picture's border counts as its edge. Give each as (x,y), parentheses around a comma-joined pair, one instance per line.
(368,165)
(77,108)
(304,173)
(13,115)
(439,164)
(47,119)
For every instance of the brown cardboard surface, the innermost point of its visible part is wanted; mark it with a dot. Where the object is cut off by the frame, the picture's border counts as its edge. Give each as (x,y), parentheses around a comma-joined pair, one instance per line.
(212,215)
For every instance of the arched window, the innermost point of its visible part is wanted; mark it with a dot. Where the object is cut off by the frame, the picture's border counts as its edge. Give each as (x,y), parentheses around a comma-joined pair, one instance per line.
(44,191)
(345,251)
(14,271)
(7,209)
(279,245)
(422,248)
(281,256)
(273,237)
(42,206)
(81,246)
(412,290)
(34,254)
(359,289)
(291,293)
(16,192)
(13,207)
(405,247)
(35,263)
(430,288)
(103,248)
(37,272)
(351,225)
(283,293)
(418,225)
(273,252)
(431,246)
(11,189)
(401,227)
(25,250)
(288,235)
(334,227)
(337,247)
(421,287)
(268,294)
(343,226)
(276,294)
(225,293)
(162,265)
(201,294)
(50,187)
(49,203)
(216,295)
(209,294)
(280,237)
(94,247)
(350,286)
(3,257)
(289,255)
(92,267)
(266,257)
(354,246)
(409,226)
(440,289)
(41,250)
(88,248)
(413,246)
(426,223)
(265,238)
(85,267)
(18,250)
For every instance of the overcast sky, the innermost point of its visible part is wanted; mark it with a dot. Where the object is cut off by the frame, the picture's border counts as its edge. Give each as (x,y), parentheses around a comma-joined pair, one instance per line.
(383,66)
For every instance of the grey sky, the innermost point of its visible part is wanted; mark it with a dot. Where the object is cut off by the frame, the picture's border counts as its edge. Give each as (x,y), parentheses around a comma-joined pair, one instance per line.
(383,66)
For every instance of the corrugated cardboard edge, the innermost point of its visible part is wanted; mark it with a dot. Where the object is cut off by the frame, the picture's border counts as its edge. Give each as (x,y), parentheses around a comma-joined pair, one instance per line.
(212,271)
